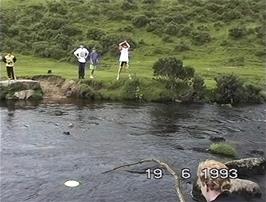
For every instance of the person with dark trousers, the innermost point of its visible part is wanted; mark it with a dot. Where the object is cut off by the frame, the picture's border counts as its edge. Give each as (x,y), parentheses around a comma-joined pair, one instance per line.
(81,53)
(10,60)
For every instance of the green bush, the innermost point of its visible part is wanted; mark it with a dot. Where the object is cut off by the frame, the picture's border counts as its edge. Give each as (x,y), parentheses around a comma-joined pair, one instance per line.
(129,4)
(199,88)
(140,21)
(200,38)
(86,92)
(229,89)
(237,32)
(182,46)
(172,68)
(132,90)
(95,33)
(223,149)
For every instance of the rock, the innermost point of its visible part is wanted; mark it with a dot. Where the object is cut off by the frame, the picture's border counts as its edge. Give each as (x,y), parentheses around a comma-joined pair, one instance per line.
(248,167)
(179,147)
(66,133)
(217,139)
(49,71)
(70,125)
(245,187)
(58,113)
(24,94)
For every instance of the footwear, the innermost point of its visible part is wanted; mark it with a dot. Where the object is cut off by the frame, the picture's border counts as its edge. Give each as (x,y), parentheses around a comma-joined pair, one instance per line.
(91,77)
(129,76)
(117,78)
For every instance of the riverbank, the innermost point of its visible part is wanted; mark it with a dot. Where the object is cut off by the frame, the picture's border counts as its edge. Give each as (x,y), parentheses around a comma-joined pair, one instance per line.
(135,89)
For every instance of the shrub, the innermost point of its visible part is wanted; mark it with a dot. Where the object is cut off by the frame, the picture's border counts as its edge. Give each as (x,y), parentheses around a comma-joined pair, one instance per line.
(199,88)
(71,30)
(237,32)
(223,149)
(229,89)
(171,29)
(200,38)
(95,33)
(172,68)
(129,4)
(182,46)
(86,92)
(236,61)
(140,21)
(132,90)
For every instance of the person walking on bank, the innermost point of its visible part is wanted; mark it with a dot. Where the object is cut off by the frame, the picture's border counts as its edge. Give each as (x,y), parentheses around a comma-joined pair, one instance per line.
(81,53)
(123,60)
(10,60)
(94,60)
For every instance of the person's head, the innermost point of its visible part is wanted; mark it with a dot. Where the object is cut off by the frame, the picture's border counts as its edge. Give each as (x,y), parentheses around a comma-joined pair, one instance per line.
(124,45)
(81,46)
(93,50)
(211,186)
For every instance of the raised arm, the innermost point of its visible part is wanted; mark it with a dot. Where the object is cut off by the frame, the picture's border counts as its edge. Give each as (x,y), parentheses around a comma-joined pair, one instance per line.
(127,44)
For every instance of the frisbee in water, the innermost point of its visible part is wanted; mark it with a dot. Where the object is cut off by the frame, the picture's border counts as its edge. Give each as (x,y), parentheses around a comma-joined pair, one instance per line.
(71,183)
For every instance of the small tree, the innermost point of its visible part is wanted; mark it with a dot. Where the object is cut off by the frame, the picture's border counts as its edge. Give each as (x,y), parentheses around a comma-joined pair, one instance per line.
(172,68)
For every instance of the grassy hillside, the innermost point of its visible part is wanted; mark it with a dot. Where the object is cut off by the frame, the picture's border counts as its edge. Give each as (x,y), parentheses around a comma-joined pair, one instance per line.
(213,36)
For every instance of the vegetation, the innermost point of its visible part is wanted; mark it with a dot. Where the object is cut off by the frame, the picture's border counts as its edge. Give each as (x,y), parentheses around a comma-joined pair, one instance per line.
(223,149)
(213,37)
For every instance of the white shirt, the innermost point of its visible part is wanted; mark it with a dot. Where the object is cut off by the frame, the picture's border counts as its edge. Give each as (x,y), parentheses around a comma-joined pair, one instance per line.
(123,55)
(81,54)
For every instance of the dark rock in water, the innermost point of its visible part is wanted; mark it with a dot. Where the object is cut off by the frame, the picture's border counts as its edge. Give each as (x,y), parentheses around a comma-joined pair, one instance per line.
(248,167)
(179,147)
(257,152)
(59,113)
(66,133)
(217,139)
(198,149)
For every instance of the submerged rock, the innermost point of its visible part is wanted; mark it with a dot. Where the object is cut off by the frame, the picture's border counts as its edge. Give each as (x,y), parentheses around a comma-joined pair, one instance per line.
(66,133)
(217,139)
(248,167)
(24,94)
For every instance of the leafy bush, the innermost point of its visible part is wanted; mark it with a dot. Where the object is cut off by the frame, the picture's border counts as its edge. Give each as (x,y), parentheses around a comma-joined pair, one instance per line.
(199,88)
(182,46)
(200,38)
(140,21)
(129,4)
(237,32)
(172,68)
(223,149)
(229,89)
(95,33)
(171,29)
(232,90)
(132,90)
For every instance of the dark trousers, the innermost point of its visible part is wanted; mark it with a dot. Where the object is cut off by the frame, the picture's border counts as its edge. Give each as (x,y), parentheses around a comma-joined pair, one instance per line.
(81,70)
(10,72)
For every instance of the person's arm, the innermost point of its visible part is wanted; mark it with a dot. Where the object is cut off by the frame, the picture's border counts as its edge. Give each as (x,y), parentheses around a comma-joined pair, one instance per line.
(4,59)
(76,53)
(87,53)
(128,46)
(14,59)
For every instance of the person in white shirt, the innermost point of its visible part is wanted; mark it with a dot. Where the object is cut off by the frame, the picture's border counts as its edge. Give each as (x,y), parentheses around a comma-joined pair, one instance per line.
(123,60)
(81,53)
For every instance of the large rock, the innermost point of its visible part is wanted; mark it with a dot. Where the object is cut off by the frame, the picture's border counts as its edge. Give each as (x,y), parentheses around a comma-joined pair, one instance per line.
(248,167)
(20,89)
(24,94)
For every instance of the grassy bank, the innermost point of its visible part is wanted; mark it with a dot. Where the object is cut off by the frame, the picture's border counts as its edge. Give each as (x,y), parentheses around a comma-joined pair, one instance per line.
(142,68)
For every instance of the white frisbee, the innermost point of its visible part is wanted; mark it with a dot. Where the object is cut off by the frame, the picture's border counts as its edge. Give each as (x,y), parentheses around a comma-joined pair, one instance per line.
(71,183)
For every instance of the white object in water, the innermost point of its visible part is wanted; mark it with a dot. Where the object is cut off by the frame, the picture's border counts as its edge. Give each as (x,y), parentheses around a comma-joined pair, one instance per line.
(71,183)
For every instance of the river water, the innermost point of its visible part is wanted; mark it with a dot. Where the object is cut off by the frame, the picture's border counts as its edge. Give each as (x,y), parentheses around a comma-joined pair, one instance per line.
(46,144)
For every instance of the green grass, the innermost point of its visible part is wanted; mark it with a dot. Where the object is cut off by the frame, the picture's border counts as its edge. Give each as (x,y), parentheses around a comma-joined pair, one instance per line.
(223,149)
(140,66)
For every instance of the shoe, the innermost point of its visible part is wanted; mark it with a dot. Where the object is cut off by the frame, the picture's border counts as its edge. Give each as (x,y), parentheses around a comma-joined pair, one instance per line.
(117,78)
(129,76)
(91,77)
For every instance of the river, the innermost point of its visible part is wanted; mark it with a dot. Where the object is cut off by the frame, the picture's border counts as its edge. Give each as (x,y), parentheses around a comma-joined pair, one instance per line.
(45,144)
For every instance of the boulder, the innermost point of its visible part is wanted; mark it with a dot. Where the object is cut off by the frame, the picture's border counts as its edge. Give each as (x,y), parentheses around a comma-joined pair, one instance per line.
(24,94)
(248,167)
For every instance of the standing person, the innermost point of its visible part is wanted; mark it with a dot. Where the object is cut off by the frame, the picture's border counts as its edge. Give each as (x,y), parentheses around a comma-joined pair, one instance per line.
(10,60)
(94,60)
(123,60)
(81,53)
